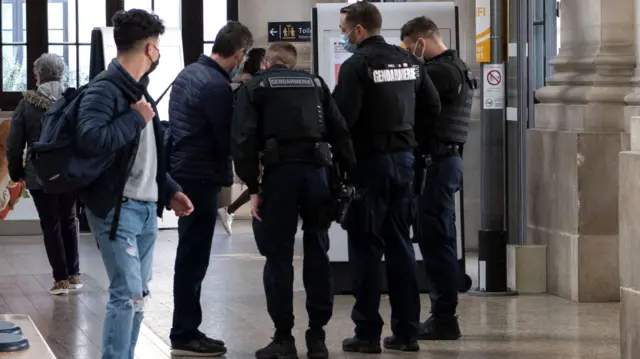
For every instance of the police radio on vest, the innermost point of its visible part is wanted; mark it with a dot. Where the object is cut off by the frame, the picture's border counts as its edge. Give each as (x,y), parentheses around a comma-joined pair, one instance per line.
(395,75)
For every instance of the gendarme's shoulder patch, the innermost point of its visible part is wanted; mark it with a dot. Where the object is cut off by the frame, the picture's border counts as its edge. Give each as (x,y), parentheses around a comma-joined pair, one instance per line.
(287,82)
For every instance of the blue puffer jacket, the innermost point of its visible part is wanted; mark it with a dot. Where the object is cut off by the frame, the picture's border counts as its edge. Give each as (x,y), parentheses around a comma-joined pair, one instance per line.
(108,127)
(200,113)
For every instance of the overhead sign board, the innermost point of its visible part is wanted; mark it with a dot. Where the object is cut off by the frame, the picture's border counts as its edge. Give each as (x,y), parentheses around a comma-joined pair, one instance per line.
(483,31)
(295,31)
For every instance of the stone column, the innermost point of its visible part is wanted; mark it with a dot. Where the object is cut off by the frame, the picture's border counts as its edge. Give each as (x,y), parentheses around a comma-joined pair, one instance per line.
(629,245)
(572,153)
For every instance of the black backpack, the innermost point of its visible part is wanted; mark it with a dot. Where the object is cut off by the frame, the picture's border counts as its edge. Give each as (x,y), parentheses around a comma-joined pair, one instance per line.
(60,166)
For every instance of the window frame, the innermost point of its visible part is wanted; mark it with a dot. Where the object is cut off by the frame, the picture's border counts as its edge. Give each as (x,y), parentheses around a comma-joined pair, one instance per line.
(37,38)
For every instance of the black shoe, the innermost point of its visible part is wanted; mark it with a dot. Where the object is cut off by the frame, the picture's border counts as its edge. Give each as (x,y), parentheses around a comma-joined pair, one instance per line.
(355,345)
(279,349)
(440,328)
(316,347)
(211,340)
(404,345)
(197,348)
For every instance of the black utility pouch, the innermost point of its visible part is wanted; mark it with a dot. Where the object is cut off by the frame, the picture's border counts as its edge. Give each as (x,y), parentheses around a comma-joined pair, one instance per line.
(271,154)
(322,154)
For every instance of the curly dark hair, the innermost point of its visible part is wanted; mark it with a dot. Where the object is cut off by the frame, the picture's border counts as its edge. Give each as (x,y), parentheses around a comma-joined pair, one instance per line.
(132,27)
(255,57)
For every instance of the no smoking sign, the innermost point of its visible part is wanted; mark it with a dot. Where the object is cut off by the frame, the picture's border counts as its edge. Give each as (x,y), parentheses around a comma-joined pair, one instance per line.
(494,77)
(493,87)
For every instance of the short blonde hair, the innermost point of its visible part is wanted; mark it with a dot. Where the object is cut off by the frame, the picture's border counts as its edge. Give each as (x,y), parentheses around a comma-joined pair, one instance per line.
(282,53)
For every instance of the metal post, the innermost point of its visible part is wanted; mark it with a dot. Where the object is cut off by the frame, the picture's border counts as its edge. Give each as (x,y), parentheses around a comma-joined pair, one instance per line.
(492,238)
(524,89)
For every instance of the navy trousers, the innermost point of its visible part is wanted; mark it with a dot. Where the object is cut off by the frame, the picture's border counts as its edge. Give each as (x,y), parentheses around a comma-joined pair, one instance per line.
(378,224)
(291,191)
(436,232)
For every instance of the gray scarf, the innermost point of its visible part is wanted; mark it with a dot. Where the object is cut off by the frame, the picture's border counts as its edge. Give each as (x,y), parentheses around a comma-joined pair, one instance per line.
(52,90)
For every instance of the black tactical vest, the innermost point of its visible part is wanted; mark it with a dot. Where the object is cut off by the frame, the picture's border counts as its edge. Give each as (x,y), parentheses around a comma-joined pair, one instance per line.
(391,84)
(453,123)
(291,102)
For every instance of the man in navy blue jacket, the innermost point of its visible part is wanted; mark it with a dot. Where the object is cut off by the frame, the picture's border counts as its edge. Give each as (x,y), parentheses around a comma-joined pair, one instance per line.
(200,113)
(117,120)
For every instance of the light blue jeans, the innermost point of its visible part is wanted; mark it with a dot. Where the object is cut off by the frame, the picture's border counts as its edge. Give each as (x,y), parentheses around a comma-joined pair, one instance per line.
(128,260)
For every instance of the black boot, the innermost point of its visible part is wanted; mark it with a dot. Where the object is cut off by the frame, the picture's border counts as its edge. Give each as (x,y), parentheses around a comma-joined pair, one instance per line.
(282,347)
(316,347)
(355,345)
(404,345)
(440,328)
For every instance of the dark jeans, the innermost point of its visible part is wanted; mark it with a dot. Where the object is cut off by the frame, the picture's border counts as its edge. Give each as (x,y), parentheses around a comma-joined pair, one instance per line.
(289,191)
(58,222)
(436,232)
(195,234)
(378,224)
(239,202)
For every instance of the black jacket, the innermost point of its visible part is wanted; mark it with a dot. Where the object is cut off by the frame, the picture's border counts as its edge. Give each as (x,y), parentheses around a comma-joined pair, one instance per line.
(25,130)
(247,139)
(352,95)
(108,127)
(200,112)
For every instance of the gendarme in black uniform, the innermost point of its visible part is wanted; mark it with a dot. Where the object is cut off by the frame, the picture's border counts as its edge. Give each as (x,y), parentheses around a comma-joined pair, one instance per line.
(381,90)
(289,115)
(436,229)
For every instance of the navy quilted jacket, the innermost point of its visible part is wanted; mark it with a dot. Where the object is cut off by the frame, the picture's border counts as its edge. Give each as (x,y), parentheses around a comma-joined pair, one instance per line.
(200,113)
(115,138)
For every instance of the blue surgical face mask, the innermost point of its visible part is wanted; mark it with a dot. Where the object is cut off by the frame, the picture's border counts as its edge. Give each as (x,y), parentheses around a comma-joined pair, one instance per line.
(234,73)
(346,44)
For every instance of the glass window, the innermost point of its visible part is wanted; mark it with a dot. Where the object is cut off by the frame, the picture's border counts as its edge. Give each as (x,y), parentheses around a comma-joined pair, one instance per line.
(138,4)
(170,11)
(70,25)
(13,45)
(91,14)
(14,68)
(206,49)
(68,53)
(215,17)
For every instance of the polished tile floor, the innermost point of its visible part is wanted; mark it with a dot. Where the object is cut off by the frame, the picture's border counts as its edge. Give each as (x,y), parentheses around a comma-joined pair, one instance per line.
(524,327)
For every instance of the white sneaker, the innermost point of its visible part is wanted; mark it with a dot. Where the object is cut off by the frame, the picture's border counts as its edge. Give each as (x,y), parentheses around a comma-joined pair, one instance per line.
(226,218)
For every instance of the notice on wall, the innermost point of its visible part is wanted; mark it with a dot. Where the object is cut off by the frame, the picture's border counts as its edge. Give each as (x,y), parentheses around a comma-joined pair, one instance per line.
(338,56)
(493,86)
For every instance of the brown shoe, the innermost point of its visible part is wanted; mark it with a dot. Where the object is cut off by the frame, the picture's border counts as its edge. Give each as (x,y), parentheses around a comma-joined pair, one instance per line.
(75,282)
(60,288)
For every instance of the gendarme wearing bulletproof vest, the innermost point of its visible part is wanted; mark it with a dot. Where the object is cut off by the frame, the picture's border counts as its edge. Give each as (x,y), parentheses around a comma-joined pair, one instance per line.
(452,126)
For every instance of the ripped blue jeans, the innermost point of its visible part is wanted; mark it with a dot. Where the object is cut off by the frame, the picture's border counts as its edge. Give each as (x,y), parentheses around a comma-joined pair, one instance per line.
(128,260)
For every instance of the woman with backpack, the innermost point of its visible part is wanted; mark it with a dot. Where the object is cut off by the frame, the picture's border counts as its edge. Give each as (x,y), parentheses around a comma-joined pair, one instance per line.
(253,64)
(56,211)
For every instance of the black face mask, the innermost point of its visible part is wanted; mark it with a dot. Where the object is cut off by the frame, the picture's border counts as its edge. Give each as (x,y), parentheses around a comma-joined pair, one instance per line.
(154,65)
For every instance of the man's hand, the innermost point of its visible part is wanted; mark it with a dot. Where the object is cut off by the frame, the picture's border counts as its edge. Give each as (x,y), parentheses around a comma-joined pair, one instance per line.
(181,204)
(255,203)
(145,109)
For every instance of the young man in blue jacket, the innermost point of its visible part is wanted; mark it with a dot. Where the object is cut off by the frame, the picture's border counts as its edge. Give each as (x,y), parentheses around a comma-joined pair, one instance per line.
(117,120)
(200,113)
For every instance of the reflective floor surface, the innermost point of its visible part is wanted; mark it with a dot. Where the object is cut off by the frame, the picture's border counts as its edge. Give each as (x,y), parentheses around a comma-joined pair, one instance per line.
(523,327)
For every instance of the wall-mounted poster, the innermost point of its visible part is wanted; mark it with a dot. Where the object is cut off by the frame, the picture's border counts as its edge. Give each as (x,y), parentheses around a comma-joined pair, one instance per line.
(10,192)
(338,56)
